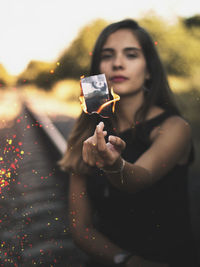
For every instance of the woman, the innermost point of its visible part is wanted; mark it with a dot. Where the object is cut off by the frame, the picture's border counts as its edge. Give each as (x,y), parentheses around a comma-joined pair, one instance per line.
(128,182)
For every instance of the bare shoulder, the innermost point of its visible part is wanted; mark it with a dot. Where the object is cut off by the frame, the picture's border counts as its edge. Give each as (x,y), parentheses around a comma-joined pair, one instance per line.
(177,131)
(177,124)
(171,126)
(171,146)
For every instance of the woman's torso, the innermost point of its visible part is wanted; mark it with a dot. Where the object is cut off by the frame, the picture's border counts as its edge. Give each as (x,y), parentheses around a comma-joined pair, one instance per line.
(153,222)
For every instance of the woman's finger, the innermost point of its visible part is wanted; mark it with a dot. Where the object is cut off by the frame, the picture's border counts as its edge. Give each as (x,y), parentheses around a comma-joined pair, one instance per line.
(90,149)
(92,154)
(117,142)
(100,134)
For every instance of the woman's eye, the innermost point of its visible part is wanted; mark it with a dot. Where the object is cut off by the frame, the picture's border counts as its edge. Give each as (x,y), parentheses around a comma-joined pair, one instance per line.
(131,55)
(106,56)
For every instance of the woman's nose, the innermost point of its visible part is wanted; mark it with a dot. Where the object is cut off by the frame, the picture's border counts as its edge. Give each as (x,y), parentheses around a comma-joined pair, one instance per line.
(118,62)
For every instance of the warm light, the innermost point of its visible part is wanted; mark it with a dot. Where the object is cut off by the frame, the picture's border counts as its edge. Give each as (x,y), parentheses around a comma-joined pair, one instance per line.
(115,98)
(83,104)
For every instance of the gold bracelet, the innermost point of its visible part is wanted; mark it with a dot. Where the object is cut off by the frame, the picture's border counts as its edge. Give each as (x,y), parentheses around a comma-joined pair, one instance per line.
(117,171)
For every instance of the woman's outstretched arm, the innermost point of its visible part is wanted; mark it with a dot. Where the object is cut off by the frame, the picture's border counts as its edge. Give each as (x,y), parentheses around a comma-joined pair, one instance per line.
(170,146)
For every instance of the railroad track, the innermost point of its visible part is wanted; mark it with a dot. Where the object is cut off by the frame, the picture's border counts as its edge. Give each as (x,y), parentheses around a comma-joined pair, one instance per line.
(34,225)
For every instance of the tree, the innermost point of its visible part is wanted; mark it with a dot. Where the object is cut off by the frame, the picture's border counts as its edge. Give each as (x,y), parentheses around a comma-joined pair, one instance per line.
(5,78)
(192,24)
(33,69)
(193,21)
(178,47)
(75,61)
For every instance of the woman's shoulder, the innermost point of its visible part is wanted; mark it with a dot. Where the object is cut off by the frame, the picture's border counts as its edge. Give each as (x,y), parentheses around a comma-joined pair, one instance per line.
(171,122)
(170,118)
(178,129)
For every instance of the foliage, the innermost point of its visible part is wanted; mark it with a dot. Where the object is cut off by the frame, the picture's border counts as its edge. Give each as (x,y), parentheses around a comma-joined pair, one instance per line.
(177,43)
(192,24)
(2,76)
(75,61)
(33,70)
(193,21)
(5,78)
(178,47)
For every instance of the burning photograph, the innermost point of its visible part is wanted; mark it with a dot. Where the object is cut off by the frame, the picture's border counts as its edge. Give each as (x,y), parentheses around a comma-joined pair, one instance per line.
(95,91)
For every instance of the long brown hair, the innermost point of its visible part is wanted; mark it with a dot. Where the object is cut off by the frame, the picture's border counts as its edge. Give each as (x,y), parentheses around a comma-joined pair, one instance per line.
(158,93)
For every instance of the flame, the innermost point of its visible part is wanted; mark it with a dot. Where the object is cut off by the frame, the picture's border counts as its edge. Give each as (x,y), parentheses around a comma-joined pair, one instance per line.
(115,98)
(82,98)
(83,104)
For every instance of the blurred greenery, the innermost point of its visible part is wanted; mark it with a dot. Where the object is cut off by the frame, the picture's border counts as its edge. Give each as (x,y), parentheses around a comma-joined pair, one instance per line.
(75,61)
(5,78)
(34,70)
(193,21)
(177,43)
(72,63)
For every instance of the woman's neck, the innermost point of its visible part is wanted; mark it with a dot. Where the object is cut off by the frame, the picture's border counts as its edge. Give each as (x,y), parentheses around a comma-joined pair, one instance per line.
(128,106)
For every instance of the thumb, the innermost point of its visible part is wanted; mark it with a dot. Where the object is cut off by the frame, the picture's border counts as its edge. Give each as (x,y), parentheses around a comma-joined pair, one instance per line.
(117,142)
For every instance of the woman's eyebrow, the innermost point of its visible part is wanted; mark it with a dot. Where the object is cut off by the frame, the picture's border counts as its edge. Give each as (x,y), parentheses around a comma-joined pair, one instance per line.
(127,49)
(107,49)
(132,49)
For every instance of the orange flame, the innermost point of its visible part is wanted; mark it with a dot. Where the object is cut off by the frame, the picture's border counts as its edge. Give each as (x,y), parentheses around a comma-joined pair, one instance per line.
(83,104)
(82,98)
(114,100)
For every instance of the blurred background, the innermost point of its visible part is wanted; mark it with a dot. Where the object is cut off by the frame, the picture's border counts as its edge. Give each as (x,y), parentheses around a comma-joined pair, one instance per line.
(45,47)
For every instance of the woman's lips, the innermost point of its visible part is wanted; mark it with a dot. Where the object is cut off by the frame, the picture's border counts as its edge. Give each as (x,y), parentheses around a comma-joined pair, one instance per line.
(118,79)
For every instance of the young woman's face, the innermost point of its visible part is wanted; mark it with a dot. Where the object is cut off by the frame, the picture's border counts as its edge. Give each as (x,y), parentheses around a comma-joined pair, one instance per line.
(123,62)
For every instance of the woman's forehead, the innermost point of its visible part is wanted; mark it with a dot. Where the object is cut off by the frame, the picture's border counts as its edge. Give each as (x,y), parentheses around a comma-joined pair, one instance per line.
(123,38)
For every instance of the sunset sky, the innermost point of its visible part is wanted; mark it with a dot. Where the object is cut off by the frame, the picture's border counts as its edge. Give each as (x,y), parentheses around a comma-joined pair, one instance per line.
(42,29)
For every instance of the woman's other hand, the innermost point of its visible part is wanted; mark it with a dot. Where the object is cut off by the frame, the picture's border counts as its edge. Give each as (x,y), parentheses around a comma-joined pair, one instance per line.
(96,152)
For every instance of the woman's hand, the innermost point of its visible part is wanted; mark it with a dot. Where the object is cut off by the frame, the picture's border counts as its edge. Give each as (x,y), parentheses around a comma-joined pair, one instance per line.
(96,152)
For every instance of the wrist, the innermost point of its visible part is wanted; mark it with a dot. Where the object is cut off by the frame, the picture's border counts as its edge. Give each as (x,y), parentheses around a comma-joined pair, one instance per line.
(117,167)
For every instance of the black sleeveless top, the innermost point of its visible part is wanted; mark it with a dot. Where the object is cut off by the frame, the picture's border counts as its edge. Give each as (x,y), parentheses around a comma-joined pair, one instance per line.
(153,223)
